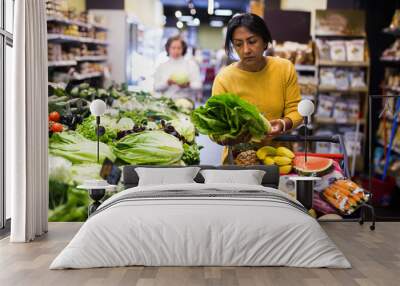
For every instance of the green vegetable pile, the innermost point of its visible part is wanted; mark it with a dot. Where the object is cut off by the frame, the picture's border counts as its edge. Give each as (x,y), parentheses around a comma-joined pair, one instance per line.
(227,118)
(139,129)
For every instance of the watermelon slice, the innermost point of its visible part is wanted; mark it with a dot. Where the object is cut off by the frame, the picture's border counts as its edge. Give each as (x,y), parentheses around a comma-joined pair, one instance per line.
(315,166)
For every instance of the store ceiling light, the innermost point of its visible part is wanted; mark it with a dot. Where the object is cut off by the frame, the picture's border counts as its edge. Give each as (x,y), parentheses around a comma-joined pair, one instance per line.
(193,11)
(216,23)
(178,14)
(223,12)
(210,9)
(186,18)
(179,25)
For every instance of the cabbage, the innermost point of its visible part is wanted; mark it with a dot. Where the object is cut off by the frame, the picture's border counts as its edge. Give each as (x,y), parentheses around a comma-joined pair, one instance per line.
(88,128)
(59,169)
(185,128)
(180,78)
(227,117)
(82,172)
(77,148)
(149,148)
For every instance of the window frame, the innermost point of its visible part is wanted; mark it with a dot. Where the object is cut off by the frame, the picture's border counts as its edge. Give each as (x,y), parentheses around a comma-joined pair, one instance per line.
(6,39)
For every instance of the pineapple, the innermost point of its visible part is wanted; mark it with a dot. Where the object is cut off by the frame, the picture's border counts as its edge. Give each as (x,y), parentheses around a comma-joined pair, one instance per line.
(246,158)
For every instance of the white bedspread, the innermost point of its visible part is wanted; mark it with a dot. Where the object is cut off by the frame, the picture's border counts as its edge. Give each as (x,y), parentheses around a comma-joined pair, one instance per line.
(200,231)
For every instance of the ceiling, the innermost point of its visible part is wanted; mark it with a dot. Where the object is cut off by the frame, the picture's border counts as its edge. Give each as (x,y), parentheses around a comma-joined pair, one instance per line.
(223,4)
(170,6)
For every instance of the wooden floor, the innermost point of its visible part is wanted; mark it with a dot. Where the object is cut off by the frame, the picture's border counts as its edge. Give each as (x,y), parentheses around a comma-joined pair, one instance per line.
(375,256)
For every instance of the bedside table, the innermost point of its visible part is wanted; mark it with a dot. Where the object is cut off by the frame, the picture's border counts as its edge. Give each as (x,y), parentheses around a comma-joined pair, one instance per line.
(305,189)
(97,190)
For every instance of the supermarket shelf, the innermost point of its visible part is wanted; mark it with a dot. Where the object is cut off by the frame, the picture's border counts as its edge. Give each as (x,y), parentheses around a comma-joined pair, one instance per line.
(330,120)
(392,88)
(393,149)
(87,76)
(66,38)
(310,68)
(388,61)
(340,36)
(394,32)
(350,91)
(342,64)
(91,58)
(74,22)
(62,63)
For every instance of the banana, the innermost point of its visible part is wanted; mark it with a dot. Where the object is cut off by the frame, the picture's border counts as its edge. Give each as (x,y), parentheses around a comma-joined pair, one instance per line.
(284,170)
(266,151)
(281,161)
(269,161)
(284,152)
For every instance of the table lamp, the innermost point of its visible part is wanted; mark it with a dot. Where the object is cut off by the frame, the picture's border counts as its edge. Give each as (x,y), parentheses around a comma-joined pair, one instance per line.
(97,108)
(306,109)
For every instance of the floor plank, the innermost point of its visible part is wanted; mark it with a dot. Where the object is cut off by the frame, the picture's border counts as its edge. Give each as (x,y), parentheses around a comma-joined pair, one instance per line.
(374,255)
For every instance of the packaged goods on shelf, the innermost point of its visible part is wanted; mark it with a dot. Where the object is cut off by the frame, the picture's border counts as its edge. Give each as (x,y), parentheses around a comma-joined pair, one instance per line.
(392,79)
(337,50)
(392,53)
(352,142)
(340,111)
(353,109)
(308,85)
(325,107)
(342,79)
(395,24)
(327,77)
(341,50)
(382,130)
(300,54)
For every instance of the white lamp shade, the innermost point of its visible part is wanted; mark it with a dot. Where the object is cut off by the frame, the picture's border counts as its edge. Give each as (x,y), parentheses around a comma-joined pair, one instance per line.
(306,107)
(98,107)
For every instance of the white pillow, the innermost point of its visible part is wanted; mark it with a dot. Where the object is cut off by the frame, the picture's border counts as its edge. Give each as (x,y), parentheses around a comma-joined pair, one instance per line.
(248,177)
(166,176)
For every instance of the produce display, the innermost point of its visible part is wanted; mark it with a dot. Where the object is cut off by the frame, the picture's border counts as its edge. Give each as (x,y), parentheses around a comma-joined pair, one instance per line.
(345,196)
(139,129)
(227,119)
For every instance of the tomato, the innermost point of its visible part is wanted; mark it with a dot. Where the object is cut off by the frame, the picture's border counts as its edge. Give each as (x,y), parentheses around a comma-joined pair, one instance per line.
(57,127)
(54,116)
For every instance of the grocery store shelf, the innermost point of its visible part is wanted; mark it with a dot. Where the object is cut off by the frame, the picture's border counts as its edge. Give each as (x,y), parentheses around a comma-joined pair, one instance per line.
(87,75)
(310,68)
(91,58)
(61,63)
(394,32)
(342,64)
(340,36)
(330,120)
(392,88)
(349,91)
(66,38)
(393,149)
(390,61)
(74,22)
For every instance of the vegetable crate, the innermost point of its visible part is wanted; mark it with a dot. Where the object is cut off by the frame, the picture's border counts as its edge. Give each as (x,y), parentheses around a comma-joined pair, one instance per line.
(344,162)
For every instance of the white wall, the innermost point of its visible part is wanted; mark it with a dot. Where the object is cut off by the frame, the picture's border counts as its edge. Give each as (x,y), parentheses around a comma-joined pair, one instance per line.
(149,12)
(116,22)
(305,5)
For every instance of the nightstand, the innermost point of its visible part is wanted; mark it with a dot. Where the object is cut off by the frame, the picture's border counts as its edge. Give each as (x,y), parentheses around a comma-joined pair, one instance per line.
(304,189)
(97,190)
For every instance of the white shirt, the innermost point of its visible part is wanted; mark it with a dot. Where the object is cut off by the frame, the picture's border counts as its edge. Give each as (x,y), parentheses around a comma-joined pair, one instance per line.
(177,66)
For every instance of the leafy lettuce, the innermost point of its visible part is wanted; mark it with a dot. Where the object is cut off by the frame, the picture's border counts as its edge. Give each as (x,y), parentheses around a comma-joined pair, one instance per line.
(227,117)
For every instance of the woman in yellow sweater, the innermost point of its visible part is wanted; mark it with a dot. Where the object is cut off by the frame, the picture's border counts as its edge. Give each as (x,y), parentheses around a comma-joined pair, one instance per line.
(270,83)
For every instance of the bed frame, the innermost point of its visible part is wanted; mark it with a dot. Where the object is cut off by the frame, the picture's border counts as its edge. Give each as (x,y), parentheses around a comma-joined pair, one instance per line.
(270,179)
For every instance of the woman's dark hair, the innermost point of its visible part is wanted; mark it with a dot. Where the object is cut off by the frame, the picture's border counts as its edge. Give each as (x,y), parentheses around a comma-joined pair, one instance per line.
(253,23)
(176,38)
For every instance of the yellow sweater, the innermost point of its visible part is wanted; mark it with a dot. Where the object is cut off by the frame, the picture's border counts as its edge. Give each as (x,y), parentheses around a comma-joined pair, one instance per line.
(274,89)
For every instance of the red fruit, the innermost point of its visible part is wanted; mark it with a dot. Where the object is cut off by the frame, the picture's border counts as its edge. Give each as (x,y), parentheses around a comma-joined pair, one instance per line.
(57,127)
(54,116)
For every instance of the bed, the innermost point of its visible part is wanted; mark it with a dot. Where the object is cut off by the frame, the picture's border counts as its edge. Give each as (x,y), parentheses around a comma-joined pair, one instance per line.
(201,224)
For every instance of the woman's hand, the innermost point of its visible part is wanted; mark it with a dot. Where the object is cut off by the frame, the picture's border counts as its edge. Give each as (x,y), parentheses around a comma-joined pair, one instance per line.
(277,127)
